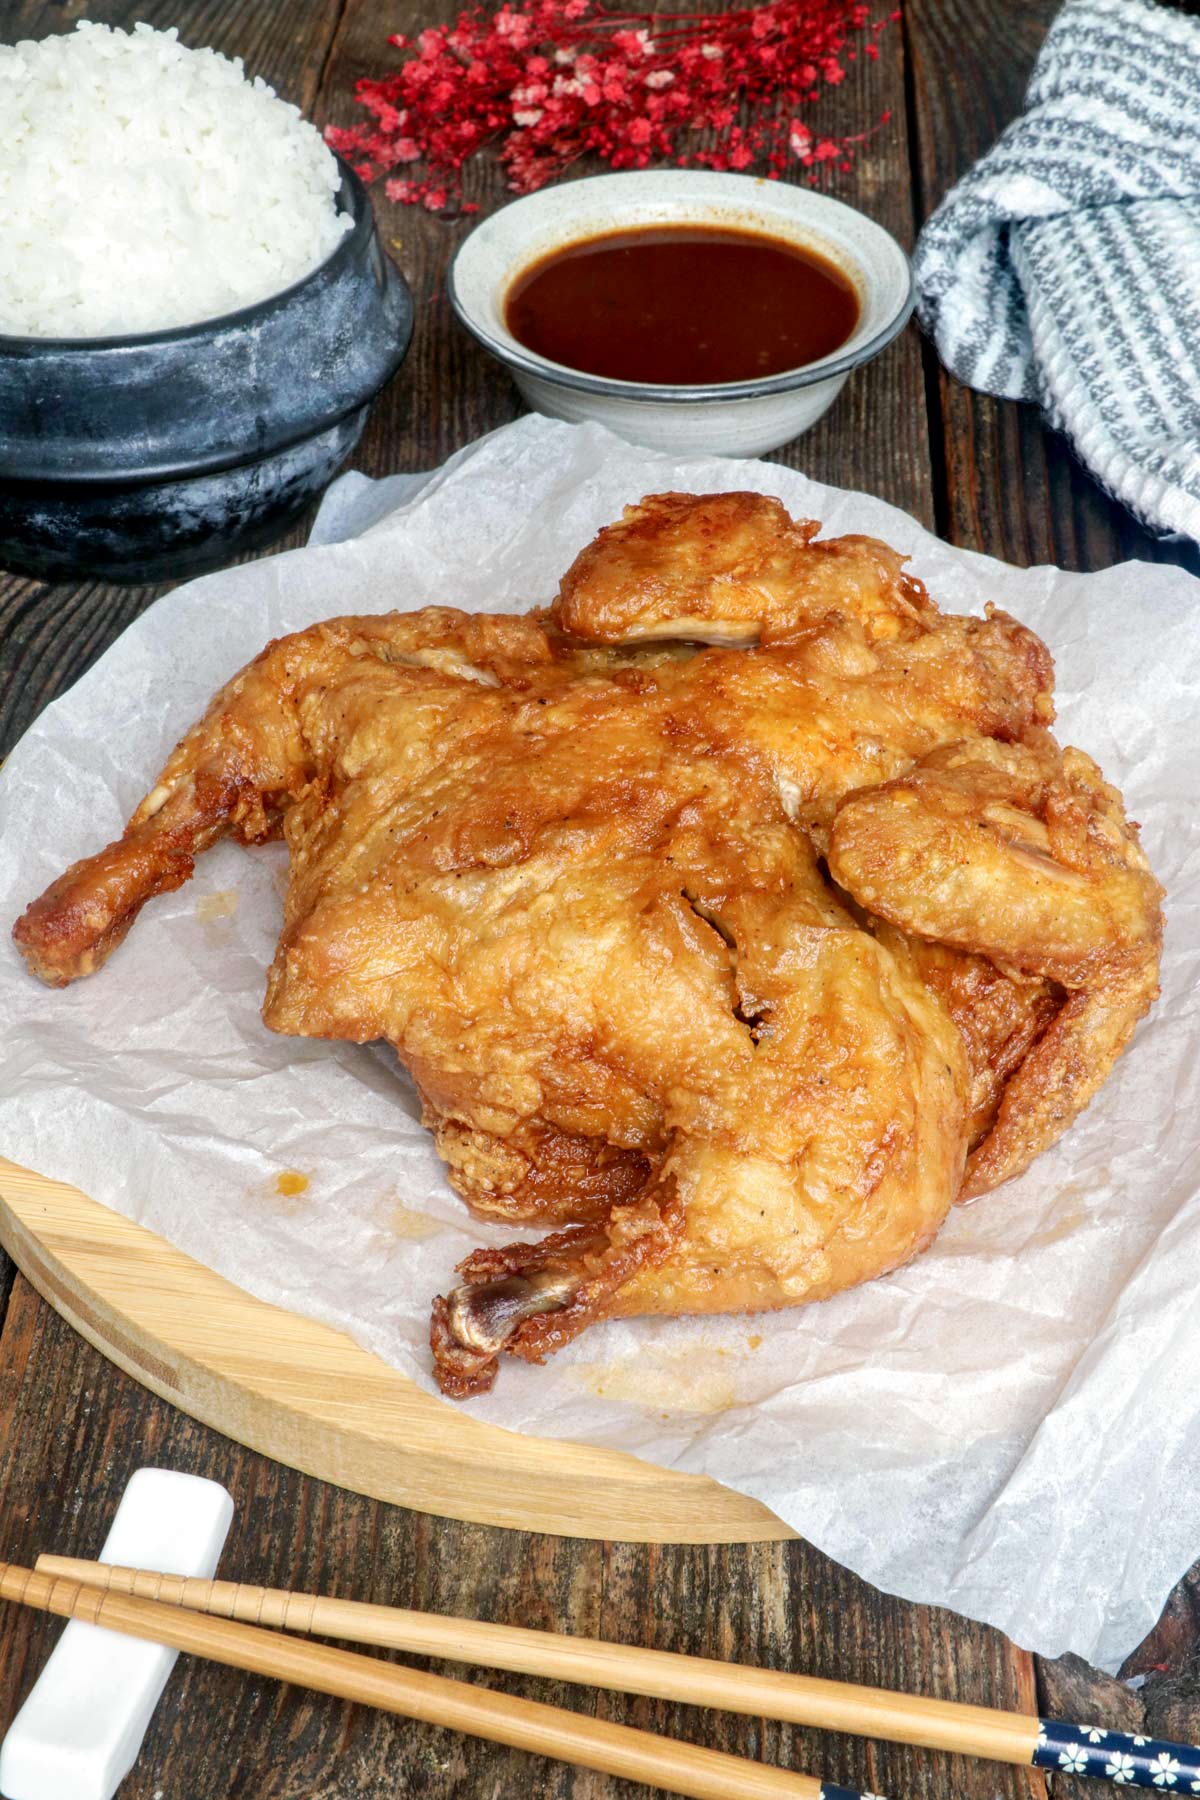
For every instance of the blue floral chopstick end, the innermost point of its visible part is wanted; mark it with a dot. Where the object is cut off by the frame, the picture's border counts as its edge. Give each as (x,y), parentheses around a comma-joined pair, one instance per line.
(1118,1757)
(830,1792)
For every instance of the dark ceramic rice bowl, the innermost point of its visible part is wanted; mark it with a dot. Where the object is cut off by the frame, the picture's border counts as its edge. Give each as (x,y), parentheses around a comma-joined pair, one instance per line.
(152,457)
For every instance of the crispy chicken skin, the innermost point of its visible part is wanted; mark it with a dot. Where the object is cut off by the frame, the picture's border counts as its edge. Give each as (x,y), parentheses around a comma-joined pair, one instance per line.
(1020,853)
(728,569)
(731,963)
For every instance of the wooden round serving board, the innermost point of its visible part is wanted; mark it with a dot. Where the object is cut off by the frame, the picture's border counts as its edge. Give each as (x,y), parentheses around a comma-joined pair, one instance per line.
(310,1397)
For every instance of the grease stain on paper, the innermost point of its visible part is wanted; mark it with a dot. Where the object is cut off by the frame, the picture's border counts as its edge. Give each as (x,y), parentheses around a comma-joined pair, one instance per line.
(1070,1207)
(987,1233)
(411,1222)
(219,905)
(214,912)
(1056,1229)
(685,1378)
(287,1191)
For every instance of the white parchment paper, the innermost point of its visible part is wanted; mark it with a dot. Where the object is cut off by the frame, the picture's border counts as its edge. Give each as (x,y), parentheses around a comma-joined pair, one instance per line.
(1008,1426)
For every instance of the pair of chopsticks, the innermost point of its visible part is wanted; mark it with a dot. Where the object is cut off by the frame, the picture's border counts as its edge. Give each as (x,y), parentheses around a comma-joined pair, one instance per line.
(205,1619)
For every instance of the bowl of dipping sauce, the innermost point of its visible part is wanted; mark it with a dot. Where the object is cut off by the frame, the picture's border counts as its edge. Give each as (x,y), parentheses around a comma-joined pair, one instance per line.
(687,310)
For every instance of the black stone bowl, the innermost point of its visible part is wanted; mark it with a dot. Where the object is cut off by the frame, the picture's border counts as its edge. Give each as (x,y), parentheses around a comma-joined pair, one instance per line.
(147,458)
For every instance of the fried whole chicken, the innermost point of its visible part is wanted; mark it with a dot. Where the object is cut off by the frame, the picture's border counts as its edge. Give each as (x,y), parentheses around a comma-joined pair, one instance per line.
(733,917)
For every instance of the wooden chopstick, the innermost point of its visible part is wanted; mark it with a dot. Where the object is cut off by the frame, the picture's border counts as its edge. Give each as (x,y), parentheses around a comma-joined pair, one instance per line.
(732,1687)
(481,1712)
(629,1669)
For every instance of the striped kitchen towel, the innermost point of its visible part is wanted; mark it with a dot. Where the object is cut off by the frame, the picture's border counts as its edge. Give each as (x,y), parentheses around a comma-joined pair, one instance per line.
(1065,267)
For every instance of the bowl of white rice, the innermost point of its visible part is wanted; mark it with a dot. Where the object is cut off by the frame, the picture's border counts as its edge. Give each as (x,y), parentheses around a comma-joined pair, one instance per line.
(195,310)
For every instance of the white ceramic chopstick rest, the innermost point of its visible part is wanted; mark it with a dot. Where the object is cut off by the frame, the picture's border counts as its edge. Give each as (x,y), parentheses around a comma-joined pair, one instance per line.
(79,1731)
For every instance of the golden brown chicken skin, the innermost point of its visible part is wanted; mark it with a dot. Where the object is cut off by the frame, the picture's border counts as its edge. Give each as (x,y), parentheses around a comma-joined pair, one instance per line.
(1020,853)
(719,959)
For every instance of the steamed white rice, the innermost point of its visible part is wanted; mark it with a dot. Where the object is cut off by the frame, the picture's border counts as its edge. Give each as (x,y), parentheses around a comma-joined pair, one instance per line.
(145,185)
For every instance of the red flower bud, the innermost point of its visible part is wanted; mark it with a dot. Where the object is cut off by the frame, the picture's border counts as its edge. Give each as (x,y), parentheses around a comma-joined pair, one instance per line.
(551,81)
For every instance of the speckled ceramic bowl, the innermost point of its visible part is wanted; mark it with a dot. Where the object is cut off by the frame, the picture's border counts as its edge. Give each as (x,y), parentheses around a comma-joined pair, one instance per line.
(736,418)
(147,458)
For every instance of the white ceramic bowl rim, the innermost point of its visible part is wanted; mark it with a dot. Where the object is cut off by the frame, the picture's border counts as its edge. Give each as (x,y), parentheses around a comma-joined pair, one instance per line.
(838,362)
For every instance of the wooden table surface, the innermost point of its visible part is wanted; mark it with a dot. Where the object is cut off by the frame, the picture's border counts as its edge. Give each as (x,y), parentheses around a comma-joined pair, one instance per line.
(986,475)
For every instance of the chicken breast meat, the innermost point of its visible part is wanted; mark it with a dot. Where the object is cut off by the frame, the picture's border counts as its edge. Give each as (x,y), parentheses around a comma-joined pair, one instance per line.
(733,917)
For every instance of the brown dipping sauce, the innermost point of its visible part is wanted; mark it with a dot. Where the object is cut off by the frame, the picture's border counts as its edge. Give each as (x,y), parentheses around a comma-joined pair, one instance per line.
(682,305)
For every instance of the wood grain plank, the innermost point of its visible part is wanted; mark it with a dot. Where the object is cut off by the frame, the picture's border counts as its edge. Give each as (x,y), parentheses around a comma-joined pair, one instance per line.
(1007,485)
(73,1428)
(77,1427)
(787,1606)
(449,391)
(1164,1700)
(299,1390)
(1012,488)
(728,1602)
(874,438)
(287,45)
(51,633)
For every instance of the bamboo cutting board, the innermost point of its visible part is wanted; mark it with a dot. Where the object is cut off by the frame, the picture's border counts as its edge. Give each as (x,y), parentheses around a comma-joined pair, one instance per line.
(310,1397)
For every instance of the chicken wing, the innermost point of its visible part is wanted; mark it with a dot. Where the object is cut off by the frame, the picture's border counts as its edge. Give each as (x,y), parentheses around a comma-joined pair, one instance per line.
(717,913)
(729,569)
(1020,853)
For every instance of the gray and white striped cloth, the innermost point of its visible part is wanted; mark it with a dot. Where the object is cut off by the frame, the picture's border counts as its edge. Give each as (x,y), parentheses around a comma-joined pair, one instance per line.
(1065,267)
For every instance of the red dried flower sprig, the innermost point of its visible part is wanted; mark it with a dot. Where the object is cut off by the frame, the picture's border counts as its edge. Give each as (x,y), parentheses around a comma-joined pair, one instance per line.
(549,81)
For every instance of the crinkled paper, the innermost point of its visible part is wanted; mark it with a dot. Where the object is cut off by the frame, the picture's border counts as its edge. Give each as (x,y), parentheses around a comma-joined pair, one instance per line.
(1008,1426)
